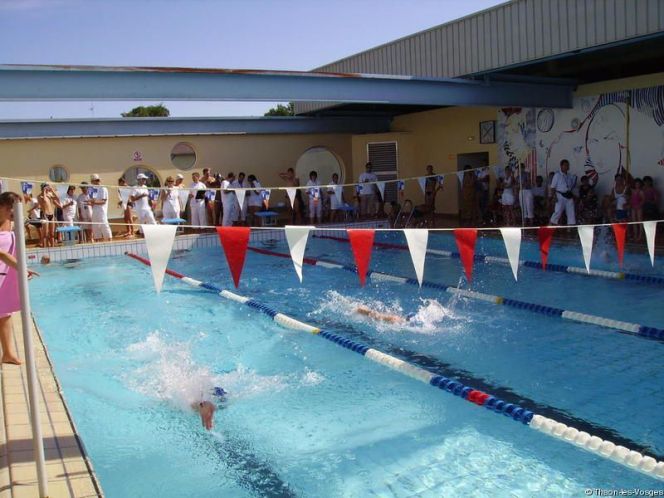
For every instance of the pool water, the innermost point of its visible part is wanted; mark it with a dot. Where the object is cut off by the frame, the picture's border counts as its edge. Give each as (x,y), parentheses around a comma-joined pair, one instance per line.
(304,417)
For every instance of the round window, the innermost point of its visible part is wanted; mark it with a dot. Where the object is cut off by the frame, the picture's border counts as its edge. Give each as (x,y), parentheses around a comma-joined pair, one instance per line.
(322,161)
(58,174)
(183,156)
(132,172)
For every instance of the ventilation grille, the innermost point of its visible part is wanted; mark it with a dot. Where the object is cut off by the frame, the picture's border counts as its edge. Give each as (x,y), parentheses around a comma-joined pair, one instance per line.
(383,158)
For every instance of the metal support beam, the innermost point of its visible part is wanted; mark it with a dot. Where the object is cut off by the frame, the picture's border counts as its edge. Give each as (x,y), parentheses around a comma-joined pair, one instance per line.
(33,83)
(118,127)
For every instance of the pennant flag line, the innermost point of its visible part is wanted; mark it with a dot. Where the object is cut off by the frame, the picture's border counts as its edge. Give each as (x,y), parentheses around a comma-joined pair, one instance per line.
(159,240)
(650,228)
(183,196)
(441,180)
(459,175)
(465,241)
(124,196)
(234,240)
(338,192)
(544,235)
(423,184)
(361,241)
(381,189)
(417,245)
(512,240)
(240,194)
(26,188)
(586,235)
(620,230)
(62,191)
(297,243)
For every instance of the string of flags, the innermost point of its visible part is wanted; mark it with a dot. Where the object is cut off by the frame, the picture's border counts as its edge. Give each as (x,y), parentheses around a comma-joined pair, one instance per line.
(159,240)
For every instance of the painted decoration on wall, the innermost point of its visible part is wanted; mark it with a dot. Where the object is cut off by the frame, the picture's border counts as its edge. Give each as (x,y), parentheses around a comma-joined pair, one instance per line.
(487,132)
(600,135)
(137,156)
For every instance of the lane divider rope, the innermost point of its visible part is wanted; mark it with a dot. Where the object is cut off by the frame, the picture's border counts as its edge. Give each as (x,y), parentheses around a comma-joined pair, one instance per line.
(603,448)
(577,270)
(634,329)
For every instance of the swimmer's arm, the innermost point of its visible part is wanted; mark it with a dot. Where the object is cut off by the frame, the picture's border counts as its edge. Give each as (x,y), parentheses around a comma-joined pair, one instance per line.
(206,410)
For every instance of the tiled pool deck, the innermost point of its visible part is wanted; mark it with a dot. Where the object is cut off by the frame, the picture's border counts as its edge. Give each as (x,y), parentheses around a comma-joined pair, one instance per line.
(70,472)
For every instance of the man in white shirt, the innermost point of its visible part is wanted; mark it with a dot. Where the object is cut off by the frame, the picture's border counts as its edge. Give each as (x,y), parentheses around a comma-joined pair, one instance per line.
(99,202)
(228,200)
(367,192)
(140,196)
(69,207)
(197,201)
(315,201)
(563,184)
(241,212)
(84,213)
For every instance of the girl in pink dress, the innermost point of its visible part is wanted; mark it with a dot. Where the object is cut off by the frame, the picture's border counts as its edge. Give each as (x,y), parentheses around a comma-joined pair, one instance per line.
(9,299)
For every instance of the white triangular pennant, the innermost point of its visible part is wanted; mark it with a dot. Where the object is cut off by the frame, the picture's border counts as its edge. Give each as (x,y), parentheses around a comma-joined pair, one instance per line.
(159,241)
(338,192)
(240,194)
(417,245)
(62,191)
(459,175)
(291,195)
(586,235)
(183,195)
(650,228)
(422,180)
(381,189)
(297,242)
(498,171)
(124,196)
(441,180)
(512,239)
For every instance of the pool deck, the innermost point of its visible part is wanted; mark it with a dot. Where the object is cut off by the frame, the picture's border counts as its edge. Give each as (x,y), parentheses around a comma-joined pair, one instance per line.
(70,473)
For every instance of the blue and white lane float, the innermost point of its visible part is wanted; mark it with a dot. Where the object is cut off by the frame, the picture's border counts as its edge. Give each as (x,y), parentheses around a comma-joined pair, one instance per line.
(630,328)
(480,258)
(604,448)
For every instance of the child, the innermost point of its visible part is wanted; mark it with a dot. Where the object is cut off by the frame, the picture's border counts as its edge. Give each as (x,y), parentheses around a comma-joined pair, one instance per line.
(315,204)
(636,200)
(9,299)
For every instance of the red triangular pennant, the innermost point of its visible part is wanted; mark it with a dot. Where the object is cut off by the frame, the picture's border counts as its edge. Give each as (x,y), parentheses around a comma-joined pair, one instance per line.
(465,240)
(361,241)
(234,240)
(544,234)
(620,230)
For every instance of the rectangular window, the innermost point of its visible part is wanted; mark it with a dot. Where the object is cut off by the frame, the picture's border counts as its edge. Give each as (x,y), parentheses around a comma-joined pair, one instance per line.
(383,158)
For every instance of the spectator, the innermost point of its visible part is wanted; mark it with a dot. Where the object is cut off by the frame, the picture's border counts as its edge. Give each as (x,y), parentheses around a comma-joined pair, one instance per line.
(34,218)
(99,202)
(636,201)
(255,202)
(298,204)
(367,194)
(650,199)
(241,211)
(48,200)
(140,197)
(228,200)
(587,201)
(170,200)
(197,201)
(85,213)
(483,179)
(526,197)
(539,199)
(69,207)
(508,198)
(335,201)
(126,206)
(315,201)
(618,200)
(563,184)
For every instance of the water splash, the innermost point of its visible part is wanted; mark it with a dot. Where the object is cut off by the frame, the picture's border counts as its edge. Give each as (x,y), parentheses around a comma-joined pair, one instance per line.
(166,371)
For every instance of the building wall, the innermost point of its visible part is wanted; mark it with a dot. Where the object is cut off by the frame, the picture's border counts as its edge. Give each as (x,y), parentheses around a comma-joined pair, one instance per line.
(263,155)
(432,137)
(612,125)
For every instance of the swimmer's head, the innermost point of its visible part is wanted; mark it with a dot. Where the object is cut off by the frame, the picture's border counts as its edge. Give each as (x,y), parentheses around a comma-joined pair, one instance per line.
(45,260)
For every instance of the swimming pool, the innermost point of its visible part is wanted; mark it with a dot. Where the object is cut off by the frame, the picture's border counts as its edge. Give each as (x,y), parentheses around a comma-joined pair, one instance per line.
(306,418)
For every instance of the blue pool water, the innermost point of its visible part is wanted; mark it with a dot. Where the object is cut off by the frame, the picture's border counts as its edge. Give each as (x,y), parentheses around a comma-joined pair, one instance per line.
(307,418)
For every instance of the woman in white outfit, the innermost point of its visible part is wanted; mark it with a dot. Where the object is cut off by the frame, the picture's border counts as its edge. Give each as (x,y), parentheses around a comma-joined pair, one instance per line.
(315,203)
(507,199)
(197,201)
(526,198)
(254,199)
(335,201)
(69,207)
(170,200)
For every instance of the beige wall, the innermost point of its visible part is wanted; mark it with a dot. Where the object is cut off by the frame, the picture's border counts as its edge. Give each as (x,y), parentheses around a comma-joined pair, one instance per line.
(432,137)
(263,155)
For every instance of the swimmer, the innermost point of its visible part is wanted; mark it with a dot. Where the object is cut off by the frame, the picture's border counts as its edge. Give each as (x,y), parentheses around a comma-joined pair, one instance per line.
(206,408)
(385,317)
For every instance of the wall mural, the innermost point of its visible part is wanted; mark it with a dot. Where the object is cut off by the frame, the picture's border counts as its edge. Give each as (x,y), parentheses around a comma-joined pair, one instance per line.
(600,135)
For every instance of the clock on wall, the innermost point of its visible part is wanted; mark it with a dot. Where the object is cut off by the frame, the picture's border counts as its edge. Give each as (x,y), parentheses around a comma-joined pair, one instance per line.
(487,132)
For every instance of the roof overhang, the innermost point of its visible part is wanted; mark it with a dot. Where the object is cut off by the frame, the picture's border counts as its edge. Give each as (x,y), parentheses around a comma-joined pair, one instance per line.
(37,83)
(130,127)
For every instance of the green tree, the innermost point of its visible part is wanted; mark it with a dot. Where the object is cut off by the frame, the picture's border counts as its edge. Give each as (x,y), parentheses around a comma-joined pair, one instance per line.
(149,111)
(282,110)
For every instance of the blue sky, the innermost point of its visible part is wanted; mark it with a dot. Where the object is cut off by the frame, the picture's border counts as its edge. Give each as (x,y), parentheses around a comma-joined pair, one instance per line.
(247,34)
